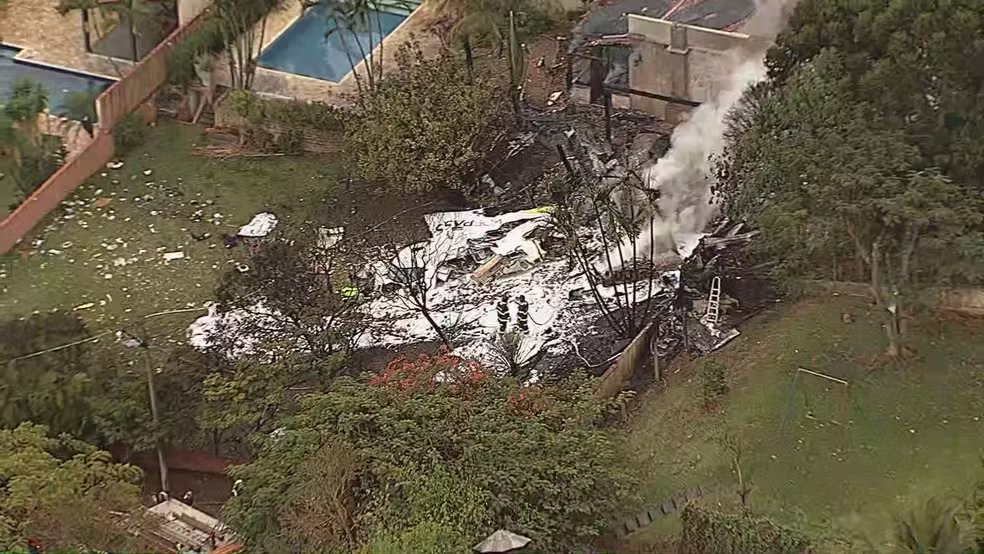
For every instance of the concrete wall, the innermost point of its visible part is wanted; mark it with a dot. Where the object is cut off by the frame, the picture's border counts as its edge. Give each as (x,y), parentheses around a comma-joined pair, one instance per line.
(635,357)
(189,9)
(683,61)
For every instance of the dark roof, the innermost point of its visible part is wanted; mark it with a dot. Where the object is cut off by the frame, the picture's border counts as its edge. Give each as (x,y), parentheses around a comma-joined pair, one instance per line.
(610,18)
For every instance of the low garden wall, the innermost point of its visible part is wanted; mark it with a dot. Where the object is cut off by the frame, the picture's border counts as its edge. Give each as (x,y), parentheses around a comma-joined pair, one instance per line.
(635,357)
(312,140)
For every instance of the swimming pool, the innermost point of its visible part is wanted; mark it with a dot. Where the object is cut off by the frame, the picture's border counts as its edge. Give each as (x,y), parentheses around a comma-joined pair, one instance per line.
(312,47)
(59,83)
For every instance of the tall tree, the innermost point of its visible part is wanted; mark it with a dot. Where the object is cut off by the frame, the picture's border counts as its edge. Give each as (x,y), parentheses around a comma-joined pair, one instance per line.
(433,442)
(426,127)
(64,492)
(918,63)
(824,174)
(53,388)
(242,26)
(358,24)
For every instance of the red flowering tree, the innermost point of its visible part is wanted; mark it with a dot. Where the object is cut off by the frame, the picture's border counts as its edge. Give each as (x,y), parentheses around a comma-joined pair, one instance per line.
(428,371)
(433,447)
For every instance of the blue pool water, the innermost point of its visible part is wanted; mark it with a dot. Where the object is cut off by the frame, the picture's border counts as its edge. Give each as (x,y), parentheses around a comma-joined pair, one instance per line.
(313,47)
(58,82)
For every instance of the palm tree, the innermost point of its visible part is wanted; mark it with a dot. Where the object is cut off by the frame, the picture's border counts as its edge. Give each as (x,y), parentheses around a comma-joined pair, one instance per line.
(80,105)
(361,16)
(483,19)
(242,25)
(36,156)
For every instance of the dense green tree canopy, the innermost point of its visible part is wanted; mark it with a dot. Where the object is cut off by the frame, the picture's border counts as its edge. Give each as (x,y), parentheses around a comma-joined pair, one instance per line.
(425,127)
(857,153)
(62,491)
(919,63)
(50,389)
(433,448)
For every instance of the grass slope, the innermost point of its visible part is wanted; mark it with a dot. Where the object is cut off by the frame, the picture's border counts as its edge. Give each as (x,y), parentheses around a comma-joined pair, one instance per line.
(839,459)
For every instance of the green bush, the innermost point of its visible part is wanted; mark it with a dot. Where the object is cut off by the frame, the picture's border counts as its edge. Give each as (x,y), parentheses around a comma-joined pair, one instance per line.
(426,127)
(706,531)
(212,35)
(289,141)
(311,116)
(713,382)
(129,133)
(38,162)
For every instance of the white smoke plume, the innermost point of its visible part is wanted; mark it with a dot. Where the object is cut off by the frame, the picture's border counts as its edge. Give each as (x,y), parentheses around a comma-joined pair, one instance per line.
(683,174)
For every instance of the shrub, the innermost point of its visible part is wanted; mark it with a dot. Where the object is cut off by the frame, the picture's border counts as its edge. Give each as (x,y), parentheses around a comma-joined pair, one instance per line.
(707,531)
(435,443)
(38,162)
(425,127)
(712,380)
(129,133)
(281,125)
(213,35)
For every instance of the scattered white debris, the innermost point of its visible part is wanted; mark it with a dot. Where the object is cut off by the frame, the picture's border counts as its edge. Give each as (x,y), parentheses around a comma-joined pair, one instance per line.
(330,236)
(115,165)
(148,171)
(169,256)
(85,306)
(260,226)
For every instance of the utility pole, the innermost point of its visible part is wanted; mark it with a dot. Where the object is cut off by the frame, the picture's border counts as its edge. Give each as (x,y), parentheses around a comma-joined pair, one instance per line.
(144,343)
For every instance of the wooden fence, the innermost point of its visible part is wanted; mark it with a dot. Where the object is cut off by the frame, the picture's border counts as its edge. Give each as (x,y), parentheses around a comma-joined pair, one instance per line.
(121,98)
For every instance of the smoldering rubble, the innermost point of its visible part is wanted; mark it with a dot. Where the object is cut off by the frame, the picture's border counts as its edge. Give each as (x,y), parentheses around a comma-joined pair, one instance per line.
(476,261)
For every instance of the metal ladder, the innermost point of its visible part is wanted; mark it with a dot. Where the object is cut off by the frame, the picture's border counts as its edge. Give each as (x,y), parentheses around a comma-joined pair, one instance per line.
(714,302)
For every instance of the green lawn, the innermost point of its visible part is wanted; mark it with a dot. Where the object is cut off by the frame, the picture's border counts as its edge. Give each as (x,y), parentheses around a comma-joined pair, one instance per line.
(112,256)
(841,459)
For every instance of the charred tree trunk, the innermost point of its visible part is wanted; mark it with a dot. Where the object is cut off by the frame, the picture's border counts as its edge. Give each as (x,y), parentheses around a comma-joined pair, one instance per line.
(469,58)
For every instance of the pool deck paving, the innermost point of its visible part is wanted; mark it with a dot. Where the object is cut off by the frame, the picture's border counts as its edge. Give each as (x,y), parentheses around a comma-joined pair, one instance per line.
(299,87)
(50,38)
